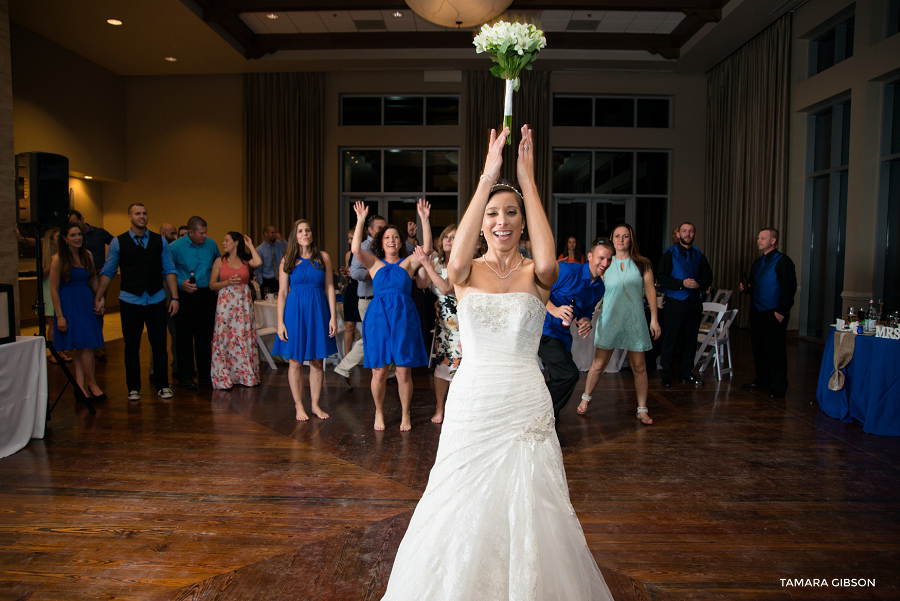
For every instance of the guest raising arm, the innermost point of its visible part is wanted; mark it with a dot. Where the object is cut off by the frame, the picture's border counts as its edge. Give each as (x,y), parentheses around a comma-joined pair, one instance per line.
(449,349)
(391,330)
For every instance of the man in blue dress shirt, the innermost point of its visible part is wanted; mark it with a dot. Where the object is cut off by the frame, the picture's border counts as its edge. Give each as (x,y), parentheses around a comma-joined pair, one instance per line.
(270,251)
(143,257)
(194,256)
(582,283)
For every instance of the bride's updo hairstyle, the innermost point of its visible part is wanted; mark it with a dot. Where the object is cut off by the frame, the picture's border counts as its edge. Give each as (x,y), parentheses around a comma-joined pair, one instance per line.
(504,185)
(378,242)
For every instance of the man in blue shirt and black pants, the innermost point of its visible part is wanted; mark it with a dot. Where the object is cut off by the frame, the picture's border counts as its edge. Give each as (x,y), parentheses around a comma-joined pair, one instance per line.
(581,283)
(194,256)
(773,284)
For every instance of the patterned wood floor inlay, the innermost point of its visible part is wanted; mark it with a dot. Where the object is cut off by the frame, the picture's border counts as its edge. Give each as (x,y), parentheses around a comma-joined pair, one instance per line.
(223,495)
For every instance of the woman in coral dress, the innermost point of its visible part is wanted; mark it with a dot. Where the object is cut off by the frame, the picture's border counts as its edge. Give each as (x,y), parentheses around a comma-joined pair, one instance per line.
(235,358)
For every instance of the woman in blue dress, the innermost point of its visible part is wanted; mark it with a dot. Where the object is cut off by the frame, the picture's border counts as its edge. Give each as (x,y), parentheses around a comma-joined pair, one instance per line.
(73,282)
(628,280)
(392,333)
(307,320)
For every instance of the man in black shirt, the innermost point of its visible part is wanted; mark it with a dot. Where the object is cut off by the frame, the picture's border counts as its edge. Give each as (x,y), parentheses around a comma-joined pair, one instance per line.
(683,272)
(773,284)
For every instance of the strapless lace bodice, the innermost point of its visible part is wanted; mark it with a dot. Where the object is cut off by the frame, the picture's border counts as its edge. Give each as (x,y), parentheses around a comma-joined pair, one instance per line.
(500,326)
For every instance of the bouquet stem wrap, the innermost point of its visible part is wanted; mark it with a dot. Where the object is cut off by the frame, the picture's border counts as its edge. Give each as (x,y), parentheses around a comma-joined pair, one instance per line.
(507,106)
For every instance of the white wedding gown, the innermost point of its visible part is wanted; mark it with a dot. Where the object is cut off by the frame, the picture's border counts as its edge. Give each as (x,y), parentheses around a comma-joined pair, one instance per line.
(495,522)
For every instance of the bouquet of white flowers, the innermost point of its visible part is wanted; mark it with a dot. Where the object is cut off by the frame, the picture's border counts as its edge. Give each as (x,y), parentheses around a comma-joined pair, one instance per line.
(513,46)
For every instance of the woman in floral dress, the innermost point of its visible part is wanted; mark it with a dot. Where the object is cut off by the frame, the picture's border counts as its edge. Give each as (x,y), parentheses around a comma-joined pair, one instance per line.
(449,351)
(235,357)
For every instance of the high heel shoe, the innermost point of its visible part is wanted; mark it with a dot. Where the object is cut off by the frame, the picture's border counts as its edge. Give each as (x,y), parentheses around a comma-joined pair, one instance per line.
(645,419)
(585,399)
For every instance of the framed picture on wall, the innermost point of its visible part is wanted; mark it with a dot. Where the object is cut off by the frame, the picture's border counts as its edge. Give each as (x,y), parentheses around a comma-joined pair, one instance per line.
(7,314)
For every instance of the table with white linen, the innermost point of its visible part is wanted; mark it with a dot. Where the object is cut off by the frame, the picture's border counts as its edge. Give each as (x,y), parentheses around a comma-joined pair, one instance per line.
(23,392)
(267,317)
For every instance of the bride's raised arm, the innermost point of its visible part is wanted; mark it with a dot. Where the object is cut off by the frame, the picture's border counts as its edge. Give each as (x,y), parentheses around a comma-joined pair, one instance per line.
(460,263)
(543,250)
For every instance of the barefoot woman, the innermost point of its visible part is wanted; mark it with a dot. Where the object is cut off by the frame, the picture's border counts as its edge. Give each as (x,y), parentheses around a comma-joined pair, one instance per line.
(307,320)
(392,332)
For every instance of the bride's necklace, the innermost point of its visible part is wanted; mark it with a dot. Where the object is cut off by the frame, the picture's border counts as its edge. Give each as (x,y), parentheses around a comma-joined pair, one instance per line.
(503,277)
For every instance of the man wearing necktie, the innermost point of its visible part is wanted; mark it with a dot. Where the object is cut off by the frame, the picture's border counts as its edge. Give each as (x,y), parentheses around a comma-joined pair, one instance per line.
(270,251)
(144,260)
(683,273)
(773,284)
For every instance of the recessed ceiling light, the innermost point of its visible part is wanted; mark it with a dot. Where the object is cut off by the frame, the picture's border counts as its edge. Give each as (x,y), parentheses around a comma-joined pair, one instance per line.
(88,177)
(272,16)
(398,14)
(171,59)
(114,21)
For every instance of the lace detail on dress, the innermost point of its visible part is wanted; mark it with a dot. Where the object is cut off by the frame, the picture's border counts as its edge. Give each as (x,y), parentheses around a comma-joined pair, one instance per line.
(538,429)
(504,311)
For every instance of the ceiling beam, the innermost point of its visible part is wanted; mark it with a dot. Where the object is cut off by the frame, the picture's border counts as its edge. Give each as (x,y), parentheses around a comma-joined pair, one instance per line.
(557,40)
(341,5)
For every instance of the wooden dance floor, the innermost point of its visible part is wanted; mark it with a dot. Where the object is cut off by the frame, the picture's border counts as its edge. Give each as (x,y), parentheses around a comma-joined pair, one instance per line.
(222,495)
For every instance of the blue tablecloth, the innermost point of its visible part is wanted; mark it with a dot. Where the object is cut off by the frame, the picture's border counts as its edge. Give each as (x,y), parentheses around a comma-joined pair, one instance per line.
(871,392)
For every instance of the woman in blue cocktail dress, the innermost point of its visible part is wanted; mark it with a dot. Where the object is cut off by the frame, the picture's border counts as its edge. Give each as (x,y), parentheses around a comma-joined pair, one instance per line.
(392,333)
(307,321)
(73,282)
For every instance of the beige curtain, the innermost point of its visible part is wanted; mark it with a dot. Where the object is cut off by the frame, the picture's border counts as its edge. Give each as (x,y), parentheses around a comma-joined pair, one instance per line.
(283,142)
(484,111)
(748,108)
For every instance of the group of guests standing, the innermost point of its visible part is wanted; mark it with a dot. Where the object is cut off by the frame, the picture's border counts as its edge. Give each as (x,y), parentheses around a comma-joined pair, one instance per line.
(185,284)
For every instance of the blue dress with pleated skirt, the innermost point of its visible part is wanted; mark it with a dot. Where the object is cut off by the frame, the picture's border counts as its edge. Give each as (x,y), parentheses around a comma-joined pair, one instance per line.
(77,305)
(392,332)
(306,316)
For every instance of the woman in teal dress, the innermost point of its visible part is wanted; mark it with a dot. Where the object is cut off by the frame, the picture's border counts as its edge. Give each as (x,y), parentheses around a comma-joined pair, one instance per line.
(391,330)
(628,280)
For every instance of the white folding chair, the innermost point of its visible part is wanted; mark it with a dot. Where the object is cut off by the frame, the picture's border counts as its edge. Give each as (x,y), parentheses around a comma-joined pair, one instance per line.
(709,315)
(712,316)
(433,353)
(722,296)
(722,343)
(262,345)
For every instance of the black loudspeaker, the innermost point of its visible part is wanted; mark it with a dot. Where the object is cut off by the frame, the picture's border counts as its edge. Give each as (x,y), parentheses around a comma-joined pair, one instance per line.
(42,188)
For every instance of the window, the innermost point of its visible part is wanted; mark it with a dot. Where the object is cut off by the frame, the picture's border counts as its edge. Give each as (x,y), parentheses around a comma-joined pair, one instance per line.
(825,219)
(893,18)
(399,110)
(389,180)
(611,111)
(831,47)
(887,264)
(594,190)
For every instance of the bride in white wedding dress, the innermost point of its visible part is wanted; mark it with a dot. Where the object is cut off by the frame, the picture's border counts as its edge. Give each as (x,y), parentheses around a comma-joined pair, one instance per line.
(495,522)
